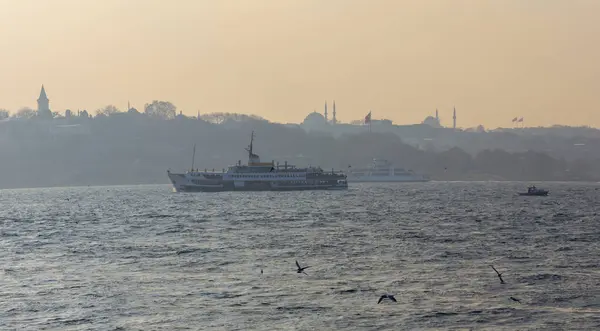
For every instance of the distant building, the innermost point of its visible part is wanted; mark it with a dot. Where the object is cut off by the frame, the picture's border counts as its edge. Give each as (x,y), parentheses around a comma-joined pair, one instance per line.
(133,111)
(433,122)
(43,110)
(65,129)
(315,120)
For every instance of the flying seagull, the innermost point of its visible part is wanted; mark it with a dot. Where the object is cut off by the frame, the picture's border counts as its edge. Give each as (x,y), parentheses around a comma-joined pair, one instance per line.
(515,299)
(499,274)
(301,269)
(386,296)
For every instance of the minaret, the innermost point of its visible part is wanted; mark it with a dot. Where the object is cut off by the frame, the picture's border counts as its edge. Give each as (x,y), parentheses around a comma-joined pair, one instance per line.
(454,119)
(437,116)
(334,120)
(326,112)
(43,105)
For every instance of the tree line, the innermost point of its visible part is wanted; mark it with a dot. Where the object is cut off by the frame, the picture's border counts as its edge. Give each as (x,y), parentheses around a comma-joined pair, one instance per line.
(157,109)
(137,148)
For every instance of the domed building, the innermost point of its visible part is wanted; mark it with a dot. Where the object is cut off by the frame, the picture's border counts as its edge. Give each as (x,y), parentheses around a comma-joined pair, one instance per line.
(432,121)
(315,120)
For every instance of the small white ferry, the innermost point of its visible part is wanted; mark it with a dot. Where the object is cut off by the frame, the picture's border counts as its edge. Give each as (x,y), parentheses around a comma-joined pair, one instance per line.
(383,171)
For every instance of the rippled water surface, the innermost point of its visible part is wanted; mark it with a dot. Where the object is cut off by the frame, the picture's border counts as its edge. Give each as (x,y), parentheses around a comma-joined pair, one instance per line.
(144,258)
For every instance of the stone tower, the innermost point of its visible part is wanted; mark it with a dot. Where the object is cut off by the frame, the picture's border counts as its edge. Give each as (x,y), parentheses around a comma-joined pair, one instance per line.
(43,110)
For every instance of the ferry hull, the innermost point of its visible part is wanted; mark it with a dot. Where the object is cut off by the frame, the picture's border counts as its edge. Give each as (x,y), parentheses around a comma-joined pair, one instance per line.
(193,188)
(181,184)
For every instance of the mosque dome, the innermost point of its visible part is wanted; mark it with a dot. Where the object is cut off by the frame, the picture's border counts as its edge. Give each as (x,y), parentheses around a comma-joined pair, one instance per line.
(432,121)
(314,119)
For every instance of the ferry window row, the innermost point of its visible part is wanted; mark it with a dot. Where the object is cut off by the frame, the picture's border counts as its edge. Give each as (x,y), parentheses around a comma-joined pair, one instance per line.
(266,176)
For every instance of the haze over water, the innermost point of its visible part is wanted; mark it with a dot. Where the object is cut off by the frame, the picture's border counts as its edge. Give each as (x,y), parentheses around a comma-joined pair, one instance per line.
(144,258)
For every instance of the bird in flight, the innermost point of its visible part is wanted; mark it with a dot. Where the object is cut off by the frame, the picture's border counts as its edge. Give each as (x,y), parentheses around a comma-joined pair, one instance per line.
(499,274)
(301,269)
(386,296)
(515,299)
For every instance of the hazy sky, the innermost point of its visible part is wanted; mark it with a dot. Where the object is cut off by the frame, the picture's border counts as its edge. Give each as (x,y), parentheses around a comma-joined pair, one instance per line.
(282,59)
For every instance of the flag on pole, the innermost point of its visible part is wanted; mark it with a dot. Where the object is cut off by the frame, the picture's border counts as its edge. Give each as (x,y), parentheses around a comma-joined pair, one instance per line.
(368,118)
(515,119)
(520,120)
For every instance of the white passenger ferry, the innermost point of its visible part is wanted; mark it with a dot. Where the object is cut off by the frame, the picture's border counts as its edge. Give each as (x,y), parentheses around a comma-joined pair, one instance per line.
(258,176)
(383,171)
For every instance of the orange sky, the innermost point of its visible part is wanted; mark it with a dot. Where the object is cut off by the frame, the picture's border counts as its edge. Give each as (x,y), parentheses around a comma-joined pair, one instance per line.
(281,59)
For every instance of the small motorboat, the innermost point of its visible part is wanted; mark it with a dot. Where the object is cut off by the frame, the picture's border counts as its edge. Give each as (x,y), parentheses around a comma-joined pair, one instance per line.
(534,191)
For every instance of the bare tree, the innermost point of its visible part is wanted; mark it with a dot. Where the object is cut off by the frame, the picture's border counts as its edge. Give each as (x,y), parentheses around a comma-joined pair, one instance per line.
(220,117)
(25,113)
(108,110)
(4,114)
(160,109)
